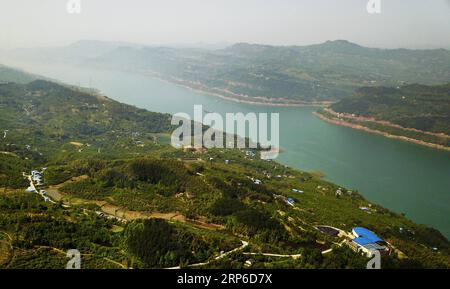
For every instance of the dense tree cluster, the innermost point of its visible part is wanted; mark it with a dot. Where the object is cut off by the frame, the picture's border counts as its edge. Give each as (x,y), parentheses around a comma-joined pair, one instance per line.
(156,243)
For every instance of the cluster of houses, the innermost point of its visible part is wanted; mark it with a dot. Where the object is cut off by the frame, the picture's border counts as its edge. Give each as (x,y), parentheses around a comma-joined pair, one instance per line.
(110,217)
(37,178)
(43,193)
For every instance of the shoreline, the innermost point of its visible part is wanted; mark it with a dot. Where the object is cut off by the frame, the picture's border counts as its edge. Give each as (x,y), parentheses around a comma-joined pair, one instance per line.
(381,122)
(385,134)
(238,99)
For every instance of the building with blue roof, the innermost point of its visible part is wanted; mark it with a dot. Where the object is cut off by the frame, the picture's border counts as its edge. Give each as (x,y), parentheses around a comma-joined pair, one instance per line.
(366,241)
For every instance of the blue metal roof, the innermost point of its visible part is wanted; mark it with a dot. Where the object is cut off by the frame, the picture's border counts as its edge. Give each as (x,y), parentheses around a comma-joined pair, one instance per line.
(365,236)
(362,241)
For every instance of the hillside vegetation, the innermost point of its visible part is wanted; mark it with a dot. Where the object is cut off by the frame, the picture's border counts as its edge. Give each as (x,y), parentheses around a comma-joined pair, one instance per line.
(418,112)
(125,198)
(416,106)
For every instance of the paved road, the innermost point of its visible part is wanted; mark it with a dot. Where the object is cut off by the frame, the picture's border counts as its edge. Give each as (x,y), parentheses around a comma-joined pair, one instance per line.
(39,191)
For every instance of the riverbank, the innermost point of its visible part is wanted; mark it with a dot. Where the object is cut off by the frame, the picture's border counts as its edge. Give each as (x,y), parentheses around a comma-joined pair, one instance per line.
(343,121)
(230,96)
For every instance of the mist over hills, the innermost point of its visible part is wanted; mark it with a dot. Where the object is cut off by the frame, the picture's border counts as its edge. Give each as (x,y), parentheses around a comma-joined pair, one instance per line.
(321,72)
(8,74)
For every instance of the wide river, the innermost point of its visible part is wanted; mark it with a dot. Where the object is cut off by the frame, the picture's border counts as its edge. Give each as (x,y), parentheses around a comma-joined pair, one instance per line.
(401,176)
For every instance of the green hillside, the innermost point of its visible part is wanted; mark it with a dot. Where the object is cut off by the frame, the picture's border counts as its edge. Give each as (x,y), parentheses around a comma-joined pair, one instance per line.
(416,113)
(125,198)
(416,106)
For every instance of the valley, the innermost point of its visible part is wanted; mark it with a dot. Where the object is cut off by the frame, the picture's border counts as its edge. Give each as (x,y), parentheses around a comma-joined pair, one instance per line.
(127,169)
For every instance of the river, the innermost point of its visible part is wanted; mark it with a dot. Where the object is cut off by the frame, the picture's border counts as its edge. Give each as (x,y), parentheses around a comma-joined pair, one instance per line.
(401,176)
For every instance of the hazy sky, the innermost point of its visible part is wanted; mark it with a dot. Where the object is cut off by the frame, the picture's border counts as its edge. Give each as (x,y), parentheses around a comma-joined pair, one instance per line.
(402,23)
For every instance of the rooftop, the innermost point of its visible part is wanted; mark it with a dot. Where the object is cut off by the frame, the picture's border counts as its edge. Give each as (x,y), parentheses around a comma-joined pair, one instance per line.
(365,236)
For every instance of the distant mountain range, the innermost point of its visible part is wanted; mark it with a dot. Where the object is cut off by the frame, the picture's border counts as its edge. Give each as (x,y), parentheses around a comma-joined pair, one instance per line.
(262,73)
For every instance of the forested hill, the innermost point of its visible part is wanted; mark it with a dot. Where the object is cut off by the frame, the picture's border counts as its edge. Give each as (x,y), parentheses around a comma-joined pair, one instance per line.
(416,106)
(41,119)
(66,113)
(125,198)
